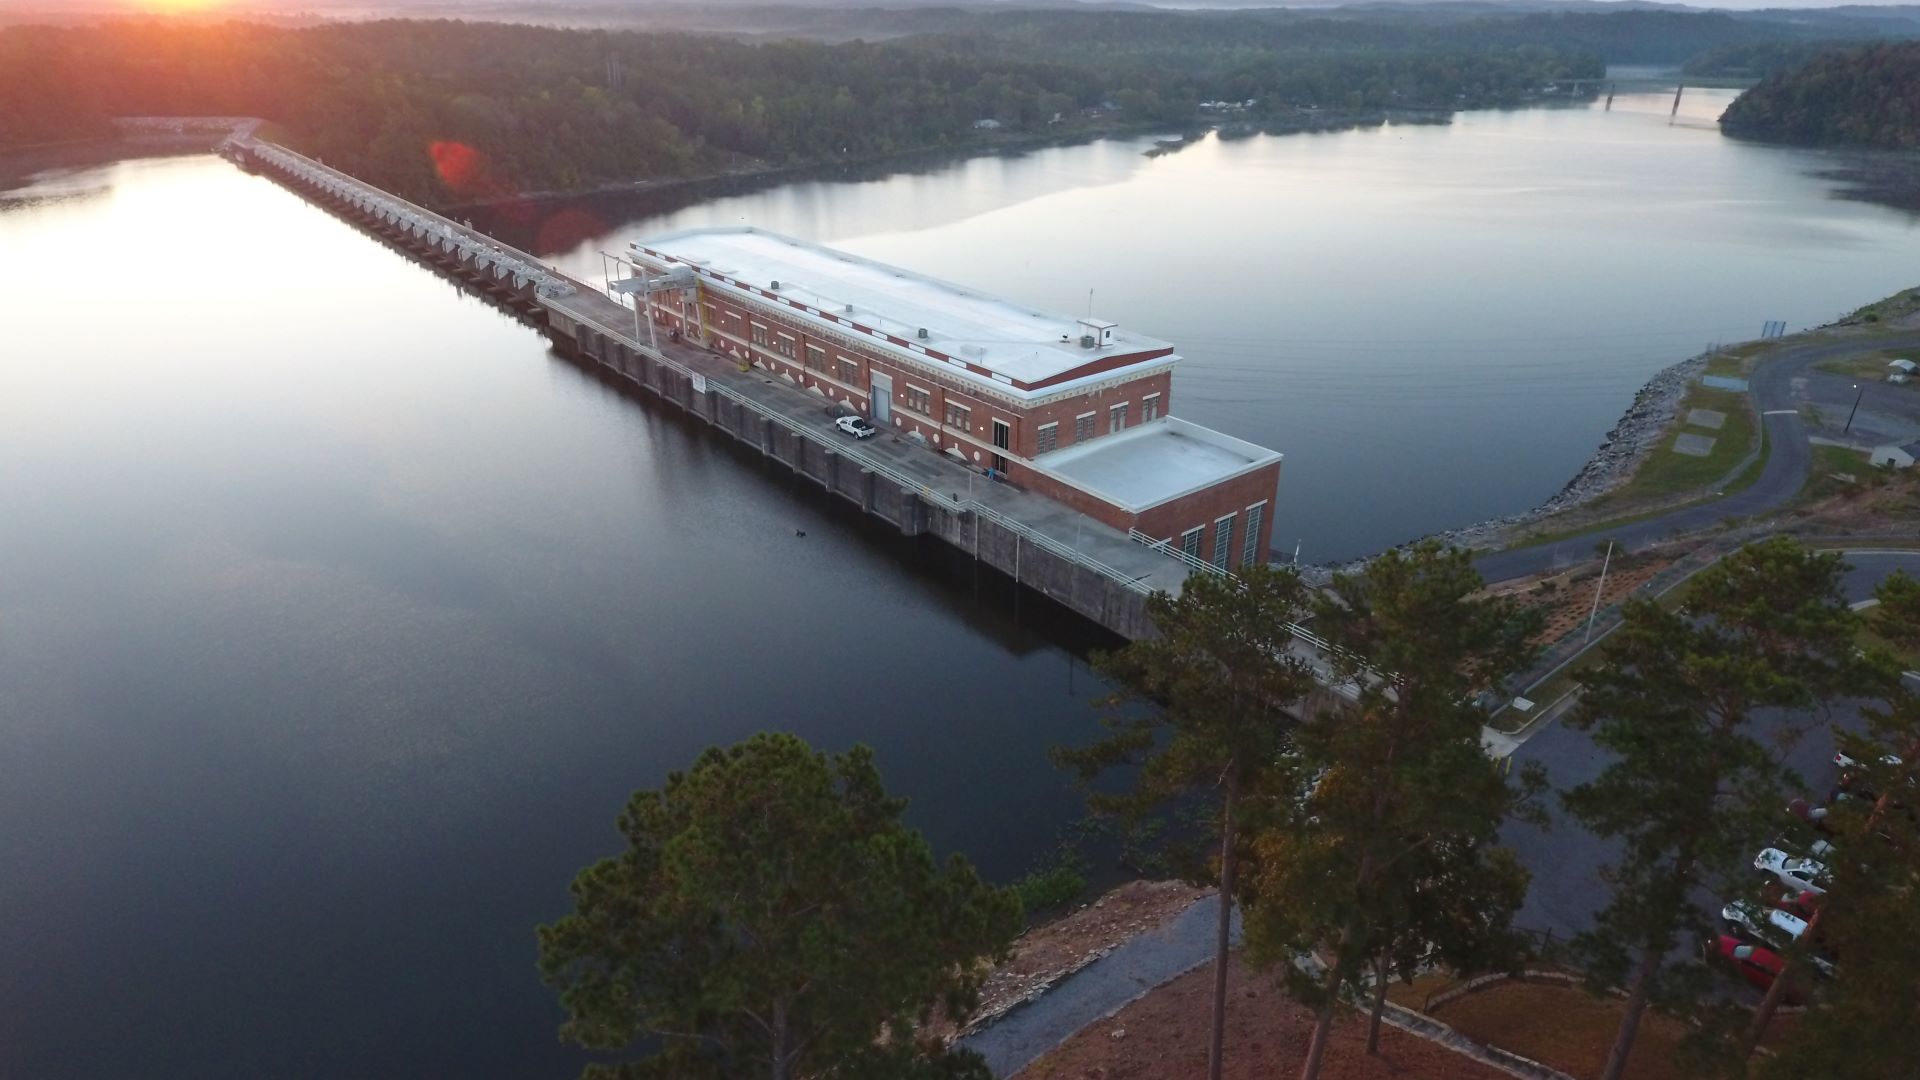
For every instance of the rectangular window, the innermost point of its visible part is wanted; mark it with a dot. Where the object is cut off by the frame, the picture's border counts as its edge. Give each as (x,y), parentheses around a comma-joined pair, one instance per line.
(784,346)
(1149,407)
(1250,555)
(1083,427)
(1116,418)
(713,317)
(1222,541)
(1047,438)
(1190,542)
(759,334)
(816,358)
(919,400)
(959,416)
(849,372)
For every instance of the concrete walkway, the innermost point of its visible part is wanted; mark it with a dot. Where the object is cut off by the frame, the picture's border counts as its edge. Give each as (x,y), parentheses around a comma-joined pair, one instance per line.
(1101,988)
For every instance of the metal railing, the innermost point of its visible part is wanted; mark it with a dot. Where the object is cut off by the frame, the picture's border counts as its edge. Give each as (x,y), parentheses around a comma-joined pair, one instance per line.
(1298,632)
(1165,547)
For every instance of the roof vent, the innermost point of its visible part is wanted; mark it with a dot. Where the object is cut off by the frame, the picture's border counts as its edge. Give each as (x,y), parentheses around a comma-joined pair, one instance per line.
(1086,341)
(776,286)
(922,335)
(849,309)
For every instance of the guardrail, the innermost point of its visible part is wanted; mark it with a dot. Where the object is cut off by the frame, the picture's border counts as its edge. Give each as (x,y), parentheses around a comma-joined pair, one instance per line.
(1299,632)
(1165,547)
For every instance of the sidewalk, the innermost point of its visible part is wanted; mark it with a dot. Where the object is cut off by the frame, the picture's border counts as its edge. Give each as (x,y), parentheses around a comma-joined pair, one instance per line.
(1101,989)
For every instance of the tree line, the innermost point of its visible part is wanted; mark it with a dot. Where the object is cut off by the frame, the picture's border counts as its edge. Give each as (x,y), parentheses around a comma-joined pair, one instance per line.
(1864,96)
(772,916)
(449,111)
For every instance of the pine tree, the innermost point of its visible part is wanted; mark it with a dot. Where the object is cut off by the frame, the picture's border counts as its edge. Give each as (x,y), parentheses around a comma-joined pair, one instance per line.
(1204,706)
(771,916)
(1377,850)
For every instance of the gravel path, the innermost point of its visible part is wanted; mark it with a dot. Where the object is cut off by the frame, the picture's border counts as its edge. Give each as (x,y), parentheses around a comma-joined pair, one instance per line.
(1100,989)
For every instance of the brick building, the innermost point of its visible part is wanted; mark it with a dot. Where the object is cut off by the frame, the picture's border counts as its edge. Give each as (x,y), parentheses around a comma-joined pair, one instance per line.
(1075,409)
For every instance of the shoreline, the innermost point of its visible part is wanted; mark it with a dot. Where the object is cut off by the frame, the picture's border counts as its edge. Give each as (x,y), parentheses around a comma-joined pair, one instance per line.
(1620,454)
(1183,134)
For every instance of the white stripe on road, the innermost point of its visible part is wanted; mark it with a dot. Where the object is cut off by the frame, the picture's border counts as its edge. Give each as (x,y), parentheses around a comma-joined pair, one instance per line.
(1781,412)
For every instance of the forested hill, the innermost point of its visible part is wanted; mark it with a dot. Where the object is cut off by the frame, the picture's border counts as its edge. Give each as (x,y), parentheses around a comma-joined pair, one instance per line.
(1867,96)
(450,111)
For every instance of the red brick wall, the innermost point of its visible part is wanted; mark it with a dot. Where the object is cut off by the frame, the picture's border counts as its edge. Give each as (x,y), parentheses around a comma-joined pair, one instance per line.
(735,322)
(1203,508)
(1167,521)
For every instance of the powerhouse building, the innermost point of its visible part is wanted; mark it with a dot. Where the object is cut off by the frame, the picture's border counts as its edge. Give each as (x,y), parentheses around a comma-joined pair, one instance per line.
(1075,409)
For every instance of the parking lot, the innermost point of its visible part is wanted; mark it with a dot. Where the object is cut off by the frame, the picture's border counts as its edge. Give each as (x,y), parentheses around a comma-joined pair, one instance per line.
(1566,860)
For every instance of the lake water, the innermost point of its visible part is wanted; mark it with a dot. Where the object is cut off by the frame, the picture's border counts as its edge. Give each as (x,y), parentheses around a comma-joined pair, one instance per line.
(1436,325)
(338,616)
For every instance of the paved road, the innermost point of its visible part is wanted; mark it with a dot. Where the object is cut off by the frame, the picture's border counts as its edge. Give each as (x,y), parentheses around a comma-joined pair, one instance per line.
(1781,478)
(1100,988)
(1566,859)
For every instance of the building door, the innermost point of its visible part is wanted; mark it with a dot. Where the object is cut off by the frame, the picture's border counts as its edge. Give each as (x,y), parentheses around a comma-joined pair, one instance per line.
(1001,433)
(882,398)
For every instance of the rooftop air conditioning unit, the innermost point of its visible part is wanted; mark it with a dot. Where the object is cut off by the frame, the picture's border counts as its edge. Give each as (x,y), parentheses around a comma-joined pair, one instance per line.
(1086,341)
(849,309)
(776,286)
(922,335)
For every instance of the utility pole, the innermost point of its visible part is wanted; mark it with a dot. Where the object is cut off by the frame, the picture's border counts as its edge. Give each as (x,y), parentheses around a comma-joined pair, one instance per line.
(1858,393)
(1598,586)
(1677,91)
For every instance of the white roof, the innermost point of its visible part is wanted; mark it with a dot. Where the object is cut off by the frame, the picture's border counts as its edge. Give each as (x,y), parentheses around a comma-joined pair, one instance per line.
(1154,462)
(993,336)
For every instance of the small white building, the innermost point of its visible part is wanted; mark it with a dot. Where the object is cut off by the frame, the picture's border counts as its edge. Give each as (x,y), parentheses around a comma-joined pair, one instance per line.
(1899,371)
(1894,456)
(986,125)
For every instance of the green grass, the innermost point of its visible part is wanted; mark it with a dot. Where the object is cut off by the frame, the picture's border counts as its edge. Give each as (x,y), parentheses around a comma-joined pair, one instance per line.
(1737,362)
(1867,639)
(1734,438)
(1598,529)
(1666,473)
(1822,481)
(1867,365)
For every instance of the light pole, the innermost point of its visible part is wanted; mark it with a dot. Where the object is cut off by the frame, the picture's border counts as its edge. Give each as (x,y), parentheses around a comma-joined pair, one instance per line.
(1858,394)
(1599,585)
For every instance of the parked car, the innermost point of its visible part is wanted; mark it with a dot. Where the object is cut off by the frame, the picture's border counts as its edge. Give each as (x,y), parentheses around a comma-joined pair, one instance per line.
(1771,926)
(1799,902)
(857,427)
(1758,964)
(1794,871)
(1815,816)
(1818,848)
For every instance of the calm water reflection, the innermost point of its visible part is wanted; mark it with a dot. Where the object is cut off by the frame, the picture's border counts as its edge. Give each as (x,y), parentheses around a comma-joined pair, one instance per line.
(1437,325)
(337,619)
